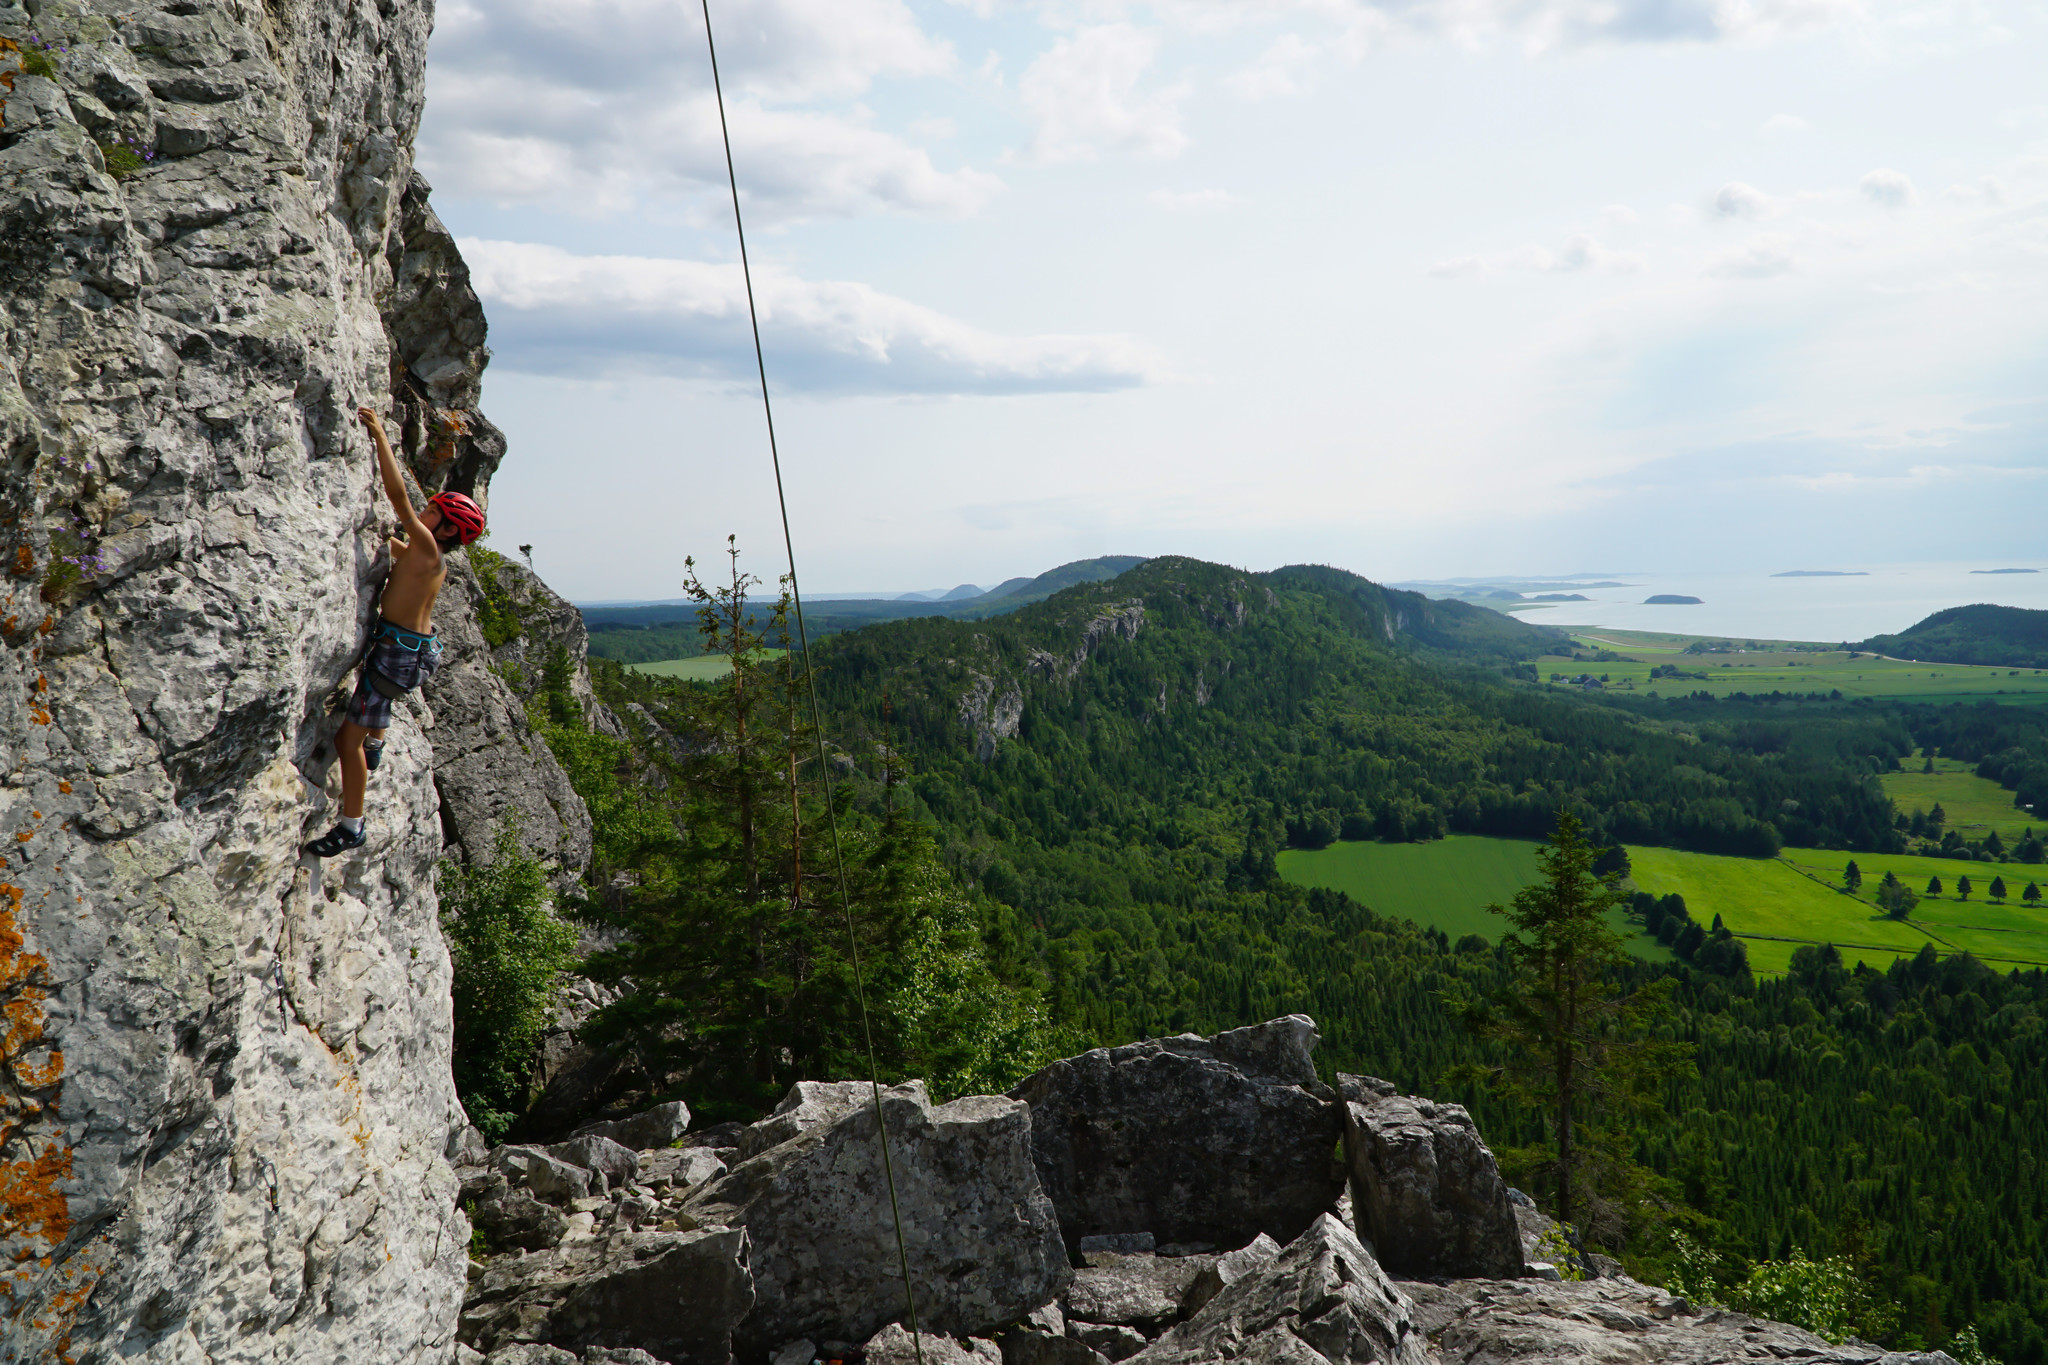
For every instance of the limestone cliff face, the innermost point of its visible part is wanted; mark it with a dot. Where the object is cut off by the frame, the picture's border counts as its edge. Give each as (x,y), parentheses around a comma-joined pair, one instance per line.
(225,1098)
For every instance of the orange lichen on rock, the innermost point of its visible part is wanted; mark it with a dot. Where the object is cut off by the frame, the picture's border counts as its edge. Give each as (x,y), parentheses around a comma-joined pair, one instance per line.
(24,561)
(35,1215)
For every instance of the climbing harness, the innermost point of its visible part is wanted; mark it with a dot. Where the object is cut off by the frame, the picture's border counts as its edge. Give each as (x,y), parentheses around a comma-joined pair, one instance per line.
(410,641)
(810,679)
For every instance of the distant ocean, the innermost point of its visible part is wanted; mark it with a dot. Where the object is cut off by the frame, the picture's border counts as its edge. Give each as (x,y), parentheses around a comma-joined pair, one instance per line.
(1760,607)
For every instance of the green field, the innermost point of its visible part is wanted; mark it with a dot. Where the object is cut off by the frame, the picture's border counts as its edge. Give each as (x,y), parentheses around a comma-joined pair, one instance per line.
(1775,909)
(1774,904)
(1778,904)
(1786,666)
(2008,934)
(703,668)
(1446,884)
(1974,805)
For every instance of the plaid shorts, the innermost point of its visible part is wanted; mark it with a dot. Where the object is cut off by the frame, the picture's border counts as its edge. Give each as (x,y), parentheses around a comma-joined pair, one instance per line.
(401,656)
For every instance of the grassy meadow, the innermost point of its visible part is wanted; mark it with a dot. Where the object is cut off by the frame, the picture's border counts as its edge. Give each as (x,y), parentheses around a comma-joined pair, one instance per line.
(1445,884)
(1787,666)
(1774,904)
(1974,805)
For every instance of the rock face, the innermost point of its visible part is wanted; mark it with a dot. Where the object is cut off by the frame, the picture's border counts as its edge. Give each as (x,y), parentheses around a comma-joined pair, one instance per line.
(235,1067)
(1323,1298)
(1428,1193)
(1191,1139)
(984,1245)
(1612,1322)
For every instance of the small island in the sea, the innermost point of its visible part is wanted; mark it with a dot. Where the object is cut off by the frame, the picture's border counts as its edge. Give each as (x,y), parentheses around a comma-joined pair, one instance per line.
(1671,599)
(1831,573)
(2005,571)
(1560,597)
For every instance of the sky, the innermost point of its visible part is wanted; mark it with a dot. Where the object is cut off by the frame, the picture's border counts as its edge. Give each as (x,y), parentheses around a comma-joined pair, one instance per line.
(1420,288)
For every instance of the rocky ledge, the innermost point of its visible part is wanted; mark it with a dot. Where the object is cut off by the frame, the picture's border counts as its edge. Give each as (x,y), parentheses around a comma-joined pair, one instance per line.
(1173,1202)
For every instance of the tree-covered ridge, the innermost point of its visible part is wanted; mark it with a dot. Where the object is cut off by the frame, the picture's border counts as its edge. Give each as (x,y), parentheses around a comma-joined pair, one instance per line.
(2002,637)
(1184,705)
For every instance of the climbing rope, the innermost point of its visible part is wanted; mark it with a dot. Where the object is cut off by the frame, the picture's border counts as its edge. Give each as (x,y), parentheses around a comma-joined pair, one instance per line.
(810,679)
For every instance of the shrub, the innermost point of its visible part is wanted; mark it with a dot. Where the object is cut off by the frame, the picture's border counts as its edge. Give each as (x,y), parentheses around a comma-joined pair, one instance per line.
(510,953)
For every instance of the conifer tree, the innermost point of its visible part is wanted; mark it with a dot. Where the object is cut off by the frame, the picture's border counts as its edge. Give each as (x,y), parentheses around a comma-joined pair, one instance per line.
(1963,888)
(1577,1045)
(1997,889)
(1852,877)
(2032,895)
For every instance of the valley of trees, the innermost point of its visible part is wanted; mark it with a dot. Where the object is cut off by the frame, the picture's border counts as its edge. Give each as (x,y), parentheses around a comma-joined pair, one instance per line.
(1060,827)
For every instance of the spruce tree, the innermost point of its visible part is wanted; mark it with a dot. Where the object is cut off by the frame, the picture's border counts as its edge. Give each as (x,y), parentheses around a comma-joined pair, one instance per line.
(1577,1046)
(1852,877)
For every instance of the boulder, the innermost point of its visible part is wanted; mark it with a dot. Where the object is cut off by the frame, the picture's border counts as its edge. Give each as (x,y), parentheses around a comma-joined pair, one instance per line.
(1029,1346)
(656,1127)
(1607,1322)
(1144,1292)
(1428,1194)
(517,1219)
(1323,1298)
(1227,1270)
(1194,1139)
(680,1167)
(675,1294)
(810,1104)
(984,1243)
(529,1353)
(1111,1340)
(549,1177)
(619,1355)
(892,1346)
(614,1165)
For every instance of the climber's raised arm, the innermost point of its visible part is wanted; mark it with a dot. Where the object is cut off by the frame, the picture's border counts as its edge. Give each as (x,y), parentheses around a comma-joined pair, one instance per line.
(416,531)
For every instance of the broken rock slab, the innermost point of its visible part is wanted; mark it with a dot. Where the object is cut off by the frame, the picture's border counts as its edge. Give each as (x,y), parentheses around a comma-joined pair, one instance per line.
(1227,1270)
(1323,1299)
(1426,1191)
(1194,1139)
(672,1294)
(651,1128)
(1613,1322)
(983,1240)
(549,1177)
(613,1164)
(1144,1292)
(892,1346)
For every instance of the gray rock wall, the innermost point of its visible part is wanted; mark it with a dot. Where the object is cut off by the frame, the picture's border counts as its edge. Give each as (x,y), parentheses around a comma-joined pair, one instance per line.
(229,1101)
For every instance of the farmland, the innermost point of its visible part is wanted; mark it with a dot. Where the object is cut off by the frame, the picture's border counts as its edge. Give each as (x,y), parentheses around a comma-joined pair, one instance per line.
(1445,883)
(1781,666)
(1775,905)
(1975,806)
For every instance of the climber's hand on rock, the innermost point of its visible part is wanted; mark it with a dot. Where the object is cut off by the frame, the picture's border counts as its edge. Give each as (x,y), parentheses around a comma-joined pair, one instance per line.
(371,421)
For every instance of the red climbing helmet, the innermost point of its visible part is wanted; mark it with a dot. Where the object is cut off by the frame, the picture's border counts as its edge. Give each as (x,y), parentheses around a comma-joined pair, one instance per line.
(462,513)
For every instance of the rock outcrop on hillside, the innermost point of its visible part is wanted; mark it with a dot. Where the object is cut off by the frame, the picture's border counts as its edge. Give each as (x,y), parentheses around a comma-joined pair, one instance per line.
(989,1266)
(230,1095)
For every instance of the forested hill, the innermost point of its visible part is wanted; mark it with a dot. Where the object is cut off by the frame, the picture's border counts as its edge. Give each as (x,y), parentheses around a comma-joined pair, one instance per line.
(1190,701)
(2002,637)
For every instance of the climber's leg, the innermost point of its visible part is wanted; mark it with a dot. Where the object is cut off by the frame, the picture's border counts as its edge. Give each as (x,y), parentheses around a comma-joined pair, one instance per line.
(355,767)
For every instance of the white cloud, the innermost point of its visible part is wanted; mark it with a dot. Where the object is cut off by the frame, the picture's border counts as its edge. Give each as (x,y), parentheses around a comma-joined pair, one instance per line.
(601,105)
(1083,94)
(558,313)
(1287,67)
(1582,252)
(1763,256)
(1887,189)
(1737,200)
(1195,201)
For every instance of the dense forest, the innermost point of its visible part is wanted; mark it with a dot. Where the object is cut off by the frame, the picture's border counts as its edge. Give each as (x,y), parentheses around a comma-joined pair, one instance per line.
(2002,637)
(1092,790)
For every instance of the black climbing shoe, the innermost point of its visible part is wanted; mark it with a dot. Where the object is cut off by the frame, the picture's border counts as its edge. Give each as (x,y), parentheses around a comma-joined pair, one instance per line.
(338,840)
(373,753)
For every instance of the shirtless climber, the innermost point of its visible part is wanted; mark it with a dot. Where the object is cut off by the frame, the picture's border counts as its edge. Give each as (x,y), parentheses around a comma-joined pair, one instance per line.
(403,647)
